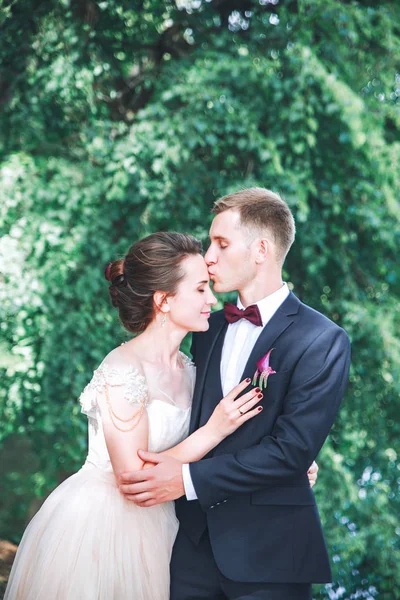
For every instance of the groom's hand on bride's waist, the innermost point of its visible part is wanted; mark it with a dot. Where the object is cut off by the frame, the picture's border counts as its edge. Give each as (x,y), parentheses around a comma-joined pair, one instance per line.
(162,482)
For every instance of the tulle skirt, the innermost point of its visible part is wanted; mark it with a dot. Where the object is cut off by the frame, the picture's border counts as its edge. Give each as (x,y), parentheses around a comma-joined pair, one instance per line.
(88,543)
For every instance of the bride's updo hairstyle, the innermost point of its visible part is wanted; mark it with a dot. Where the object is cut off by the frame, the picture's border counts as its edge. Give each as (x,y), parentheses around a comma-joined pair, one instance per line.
(152,264)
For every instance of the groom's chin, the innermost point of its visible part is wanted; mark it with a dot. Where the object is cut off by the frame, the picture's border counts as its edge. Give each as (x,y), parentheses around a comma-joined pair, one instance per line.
(217,287)
(220,288)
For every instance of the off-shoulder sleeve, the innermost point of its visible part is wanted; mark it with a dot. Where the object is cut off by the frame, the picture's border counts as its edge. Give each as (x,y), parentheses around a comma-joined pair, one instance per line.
(129,379)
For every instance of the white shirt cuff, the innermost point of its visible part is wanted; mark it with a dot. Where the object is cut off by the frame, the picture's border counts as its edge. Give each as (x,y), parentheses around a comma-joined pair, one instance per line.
(188,483)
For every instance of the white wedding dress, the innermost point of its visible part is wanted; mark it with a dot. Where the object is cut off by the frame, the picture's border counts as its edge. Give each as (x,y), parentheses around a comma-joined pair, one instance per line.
(87,541)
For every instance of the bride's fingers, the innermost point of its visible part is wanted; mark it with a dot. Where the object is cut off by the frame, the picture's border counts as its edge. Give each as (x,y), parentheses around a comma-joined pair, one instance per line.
(238,389)
(312,480)
(246,406)
(250,414)
(247,397)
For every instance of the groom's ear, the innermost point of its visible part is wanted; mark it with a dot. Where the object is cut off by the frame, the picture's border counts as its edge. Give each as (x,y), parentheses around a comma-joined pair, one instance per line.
(263,251)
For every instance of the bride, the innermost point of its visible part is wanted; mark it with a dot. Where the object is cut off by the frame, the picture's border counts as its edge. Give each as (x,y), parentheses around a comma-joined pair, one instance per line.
(87,541)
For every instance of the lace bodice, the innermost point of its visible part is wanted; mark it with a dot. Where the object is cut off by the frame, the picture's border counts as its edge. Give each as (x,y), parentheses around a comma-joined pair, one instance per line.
(166,395)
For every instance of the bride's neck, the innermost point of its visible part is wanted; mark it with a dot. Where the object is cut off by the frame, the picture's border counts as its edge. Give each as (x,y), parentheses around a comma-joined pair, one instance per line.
(159,344)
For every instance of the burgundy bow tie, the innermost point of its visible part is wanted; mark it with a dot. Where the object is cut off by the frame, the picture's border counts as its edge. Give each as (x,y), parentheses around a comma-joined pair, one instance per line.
(251,313)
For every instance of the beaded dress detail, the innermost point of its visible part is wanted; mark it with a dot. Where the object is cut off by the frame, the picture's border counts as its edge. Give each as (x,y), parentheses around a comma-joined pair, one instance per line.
(87,541)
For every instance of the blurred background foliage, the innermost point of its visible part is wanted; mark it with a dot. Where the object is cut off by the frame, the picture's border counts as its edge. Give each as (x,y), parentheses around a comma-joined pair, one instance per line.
(119,118)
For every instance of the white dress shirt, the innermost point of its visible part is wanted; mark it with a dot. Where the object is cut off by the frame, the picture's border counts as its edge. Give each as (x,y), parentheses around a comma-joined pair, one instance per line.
(240,339)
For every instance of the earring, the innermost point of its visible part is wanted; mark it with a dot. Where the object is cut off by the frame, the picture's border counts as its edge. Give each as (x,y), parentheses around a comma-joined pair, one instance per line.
(163,320)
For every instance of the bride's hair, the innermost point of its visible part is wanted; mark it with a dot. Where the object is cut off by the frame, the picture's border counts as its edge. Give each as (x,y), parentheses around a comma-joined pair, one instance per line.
(151,264)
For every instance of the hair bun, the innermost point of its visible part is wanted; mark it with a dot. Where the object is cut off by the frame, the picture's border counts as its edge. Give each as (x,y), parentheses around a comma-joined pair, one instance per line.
(107,271)
(114,272)
(114,296)
(119,280)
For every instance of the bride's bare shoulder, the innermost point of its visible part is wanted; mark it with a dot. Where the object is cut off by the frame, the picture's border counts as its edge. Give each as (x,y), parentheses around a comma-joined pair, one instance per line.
(125,355)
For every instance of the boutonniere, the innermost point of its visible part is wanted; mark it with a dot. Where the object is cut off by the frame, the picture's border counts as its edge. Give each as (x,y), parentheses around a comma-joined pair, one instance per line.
(263,370)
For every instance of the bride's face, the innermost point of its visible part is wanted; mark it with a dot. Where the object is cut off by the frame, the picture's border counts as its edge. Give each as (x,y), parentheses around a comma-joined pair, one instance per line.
(191,306)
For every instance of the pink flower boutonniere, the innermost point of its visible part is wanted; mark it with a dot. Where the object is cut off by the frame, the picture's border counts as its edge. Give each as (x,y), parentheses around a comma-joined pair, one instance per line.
(263,371)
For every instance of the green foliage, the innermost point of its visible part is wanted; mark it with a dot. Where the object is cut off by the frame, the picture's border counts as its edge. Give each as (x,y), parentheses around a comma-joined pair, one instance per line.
(121,118)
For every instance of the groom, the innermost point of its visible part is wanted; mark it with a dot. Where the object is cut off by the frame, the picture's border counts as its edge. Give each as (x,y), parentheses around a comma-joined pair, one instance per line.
(249,525)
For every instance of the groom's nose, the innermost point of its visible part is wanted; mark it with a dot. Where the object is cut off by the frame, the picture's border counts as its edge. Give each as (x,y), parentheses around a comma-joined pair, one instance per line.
(209,256)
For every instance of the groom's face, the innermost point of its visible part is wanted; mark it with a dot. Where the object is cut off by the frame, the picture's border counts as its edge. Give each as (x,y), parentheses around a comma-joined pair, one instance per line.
(229,258)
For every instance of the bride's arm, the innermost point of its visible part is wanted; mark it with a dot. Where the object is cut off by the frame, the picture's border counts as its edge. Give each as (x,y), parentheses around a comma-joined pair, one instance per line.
(125,428)
(123,445)
(225,419)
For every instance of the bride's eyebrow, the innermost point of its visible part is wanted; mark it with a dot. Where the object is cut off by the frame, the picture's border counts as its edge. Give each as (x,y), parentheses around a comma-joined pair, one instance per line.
(202,282)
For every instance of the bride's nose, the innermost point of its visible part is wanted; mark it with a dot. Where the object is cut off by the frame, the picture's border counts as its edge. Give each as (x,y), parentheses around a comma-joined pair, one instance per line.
(211,300)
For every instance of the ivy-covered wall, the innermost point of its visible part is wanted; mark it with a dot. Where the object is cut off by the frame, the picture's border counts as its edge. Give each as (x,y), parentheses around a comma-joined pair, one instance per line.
(123,117)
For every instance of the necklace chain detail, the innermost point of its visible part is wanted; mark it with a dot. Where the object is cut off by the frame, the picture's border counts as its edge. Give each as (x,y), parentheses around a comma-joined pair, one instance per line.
(115,417)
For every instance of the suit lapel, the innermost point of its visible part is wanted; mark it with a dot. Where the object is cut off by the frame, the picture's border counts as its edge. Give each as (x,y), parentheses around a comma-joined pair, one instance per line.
(281,320)
(219,329)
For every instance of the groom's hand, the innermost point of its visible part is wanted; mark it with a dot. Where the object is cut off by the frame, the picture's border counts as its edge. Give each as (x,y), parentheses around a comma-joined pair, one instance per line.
(160,483)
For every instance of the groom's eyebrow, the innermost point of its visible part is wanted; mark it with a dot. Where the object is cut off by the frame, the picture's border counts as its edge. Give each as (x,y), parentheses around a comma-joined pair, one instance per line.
(219,237)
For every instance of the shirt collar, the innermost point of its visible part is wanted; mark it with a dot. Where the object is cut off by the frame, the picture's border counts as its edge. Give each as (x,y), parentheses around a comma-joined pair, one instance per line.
(270,304)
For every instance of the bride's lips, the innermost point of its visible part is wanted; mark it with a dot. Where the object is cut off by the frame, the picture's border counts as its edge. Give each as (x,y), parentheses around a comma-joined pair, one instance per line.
(206,314)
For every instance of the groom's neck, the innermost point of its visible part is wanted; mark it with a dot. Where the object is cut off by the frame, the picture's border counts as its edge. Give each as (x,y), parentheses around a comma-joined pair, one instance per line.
(257,290)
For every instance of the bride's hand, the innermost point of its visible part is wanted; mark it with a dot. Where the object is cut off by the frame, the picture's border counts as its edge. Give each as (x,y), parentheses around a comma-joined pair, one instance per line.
(230,413)
(312,474)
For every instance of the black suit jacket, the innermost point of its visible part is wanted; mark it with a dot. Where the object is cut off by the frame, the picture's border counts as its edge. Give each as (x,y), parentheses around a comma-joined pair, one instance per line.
(253,492)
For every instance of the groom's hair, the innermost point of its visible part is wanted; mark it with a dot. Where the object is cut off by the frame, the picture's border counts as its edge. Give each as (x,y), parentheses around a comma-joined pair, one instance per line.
(261,210)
